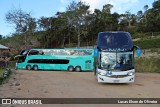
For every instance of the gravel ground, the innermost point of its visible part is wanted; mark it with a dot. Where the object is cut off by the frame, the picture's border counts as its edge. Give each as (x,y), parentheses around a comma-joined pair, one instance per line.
(63,84)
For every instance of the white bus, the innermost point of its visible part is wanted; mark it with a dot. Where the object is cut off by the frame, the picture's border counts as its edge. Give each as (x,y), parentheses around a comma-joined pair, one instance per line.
(115,58)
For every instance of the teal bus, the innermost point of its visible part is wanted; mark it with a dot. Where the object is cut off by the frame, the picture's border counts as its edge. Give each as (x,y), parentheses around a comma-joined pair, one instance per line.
(56,59)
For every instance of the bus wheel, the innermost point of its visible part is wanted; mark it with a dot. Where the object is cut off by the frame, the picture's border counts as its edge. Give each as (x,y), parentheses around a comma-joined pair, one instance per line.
(70,68)
(35,67)
(77,68)
(28,67)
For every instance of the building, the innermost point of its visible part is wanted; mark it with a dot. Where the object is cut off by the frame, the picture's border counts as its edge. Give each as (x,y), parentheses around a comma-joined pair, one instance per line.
(4,51)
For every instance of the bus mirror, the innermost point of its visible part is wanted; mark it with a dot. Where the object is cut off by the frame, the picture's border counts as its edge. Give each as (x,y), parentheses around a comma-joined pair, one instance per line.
(97,48)
(138,52)
(96,52)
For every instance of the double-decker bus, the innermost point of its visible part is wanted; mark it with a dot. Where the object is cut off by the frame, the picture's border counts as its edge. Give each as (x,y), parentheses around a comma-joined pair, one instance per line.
(115,57)
(56,59)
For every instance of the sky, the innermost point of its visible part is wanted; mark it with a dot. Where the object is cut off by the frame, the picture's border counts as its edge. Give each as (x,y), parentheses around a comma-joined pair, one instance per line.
(49,8)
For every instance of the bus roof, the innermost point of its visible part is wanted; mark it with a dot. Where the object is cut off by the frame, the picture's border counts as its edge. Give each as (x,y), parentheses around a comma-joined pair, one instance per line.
(62,49)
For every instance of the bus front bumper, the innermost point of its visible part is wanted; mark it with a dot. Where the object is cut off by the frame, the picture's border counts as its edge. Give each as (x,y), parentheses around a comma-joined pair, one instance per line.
(116,77)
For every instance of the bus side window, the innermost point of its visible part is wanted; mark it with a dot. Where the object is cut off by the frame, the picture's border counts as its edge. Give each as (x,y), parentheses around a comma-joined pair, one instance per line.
(34,52)
(41,52)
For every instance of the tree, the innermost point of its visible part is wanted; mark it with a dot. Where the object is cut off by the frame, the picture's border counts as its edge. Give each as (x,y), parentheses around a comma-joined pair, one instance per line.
(1,36)
(21,20)
(156,4)
(139,16)
(106,17)
(107,8)
(128,18)
(78,25)
(145,12)
(77,13)
(44,23)
(153,17)
(146,7)
(23,23)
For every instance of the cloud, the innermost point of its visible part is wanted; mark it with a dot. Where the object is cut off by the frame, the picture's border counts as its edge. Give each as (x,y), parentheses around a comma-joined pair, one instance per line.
(64,4)
(120,6)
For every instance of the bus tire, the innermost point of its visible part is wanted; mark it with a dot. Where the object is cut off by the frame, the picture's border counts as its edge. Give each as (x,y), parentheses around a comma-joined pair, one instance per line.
(28,67)
(70,68)
(35,67)
(77,68)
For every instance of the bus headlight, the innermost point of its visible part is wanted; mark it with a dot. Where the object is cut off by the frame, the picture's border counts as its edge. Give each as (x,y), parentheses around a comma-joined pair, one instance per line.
(130,73)
(102,73)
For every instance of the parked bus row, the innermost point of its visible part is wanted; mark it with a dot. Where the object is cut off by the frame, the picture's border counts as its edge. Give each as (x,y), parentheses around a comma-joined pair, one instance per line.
(112,60)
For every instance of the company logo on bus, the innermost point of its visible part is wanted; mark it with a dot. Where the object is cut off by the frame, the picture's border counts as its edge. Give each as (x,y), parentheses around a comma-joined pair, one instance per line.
(109,72)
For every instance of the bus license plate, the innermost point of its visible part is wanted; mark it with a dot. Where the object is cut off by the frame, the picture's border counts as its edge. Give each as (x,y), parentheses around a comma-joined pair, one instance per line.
(116,81)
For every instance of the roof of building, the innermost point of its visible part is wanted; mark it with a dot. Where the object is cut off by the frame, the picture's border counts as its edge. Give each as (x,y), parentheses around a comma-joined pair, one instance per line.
(3,47)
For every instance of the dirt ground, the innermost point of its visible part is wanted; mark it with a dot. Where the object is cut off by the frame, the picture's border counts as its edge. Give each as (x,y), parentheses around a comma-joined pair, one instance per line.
(63,84)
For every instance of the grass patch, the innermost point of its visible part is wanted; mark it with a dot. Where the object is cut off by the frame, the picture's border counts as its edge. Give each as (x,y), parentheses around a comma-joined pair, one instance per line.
(1,78)
(157,50)
(145,35)
(148,43)
(12,64)
(1,71)
(5,73)
(150,65)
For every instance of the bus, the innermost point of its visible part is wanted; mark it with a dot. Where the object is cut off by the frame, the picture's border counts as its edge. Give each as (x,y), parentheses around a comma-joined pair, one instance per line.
(56,59)
(115,57)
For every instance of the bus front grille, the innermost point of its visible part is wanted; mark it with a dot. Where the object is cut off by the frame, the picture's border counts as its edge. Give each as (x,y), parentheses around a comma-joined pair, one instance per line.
(117,76)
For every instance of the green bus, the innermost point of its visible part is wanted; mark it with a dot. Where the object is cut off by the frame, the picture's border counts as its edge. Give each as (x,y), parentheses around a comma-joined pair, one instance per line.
(56,59)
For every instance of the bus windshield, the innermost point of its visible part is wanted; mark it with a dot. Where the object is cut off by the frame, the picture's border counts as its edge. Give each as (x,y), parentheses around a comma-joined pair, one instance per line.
(117,61)
(113,40)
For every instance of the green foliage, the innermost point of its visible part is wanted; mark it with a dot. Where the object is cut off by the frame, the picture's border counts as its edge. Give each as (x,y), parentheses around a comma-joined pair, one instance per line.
(77,26)
(1,71)
(4,41)
(4,75)
(150,64)
(157,50)
(12,64)
(148,43)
